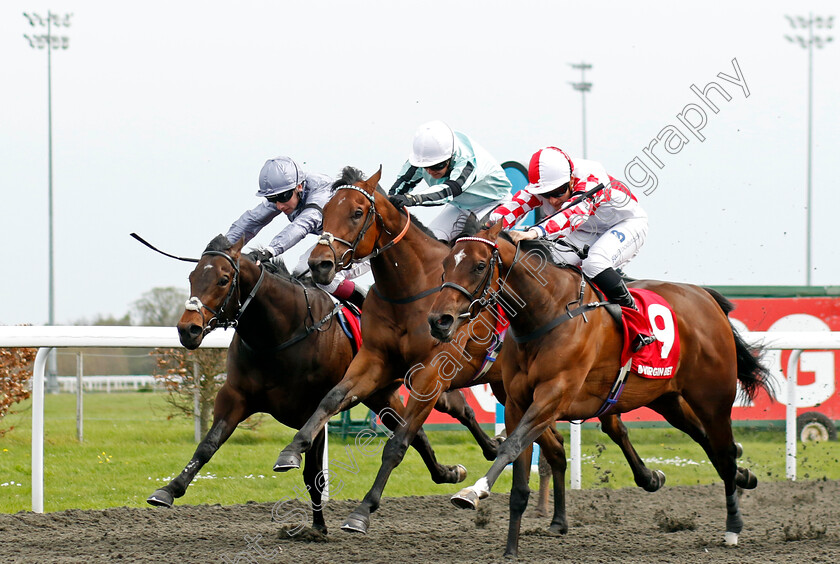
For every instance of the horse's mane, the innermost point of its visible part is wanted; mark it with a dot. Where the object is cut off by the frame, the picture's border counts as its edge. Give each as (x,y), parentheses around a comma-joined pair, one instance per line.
(350,175)
(277,266)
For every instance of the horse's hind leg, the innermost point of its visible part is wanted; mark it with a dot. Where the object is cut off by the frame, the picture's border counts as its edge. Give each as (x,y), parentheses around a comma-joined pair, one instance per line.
(645,478)
(679,414)
(709,423)
(455,404)
(229,410)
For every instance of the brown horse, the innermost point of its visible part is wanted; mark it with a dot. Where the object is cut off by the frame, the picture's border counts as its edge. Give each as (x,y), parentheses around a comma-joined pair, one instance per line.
(562,366)
(287,353)
(360,223)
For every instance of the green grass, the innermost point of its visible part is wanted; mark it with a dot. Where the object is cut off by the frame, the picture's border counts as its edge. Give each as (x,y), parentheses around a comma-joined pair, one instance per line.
(131,449)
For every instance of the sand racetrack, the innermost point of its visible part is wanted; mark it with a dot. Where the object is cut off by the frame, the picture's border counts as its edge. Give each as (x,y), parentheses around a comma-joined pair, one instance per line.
(783,522)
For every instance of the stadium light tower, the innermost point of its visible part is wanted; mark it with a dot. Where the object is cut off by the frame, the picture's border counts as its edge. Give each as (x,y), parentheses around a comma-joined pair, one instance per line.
(583,87)
(49,42)
(807,41)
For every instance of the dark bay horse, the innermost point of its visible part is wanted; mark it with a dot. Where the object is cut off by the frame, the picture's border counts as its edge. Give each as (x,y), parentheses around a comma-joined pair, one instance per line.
(360,223)
(287,353)
(562,366)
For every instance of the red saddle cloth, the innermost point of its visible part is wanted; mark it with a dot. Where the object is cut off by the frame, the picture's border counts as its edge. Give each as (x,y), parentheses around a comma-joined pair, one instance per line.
(655,317)
(355,326)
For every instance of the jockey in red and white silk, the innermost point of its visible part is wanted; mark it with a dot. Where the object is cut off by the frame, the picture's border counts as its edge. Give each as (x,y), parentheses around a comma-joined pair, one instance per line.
(609,220)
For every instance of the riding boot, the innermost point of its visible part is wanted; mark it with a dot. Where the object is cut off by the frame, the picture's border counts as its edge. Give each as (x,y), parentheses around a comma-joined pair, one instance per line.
(357,297)
(613,286)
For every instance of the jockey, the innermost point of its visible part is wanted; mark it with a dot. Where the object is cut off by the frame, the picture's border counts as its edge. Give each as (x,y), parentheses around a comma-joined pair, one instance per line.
(586,207)
(301,197)
(470,179)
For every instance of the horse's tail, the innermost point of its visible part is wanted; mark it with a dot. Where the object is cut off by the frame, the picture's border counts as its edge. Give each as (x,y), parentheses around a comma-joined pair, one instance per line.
(751,373)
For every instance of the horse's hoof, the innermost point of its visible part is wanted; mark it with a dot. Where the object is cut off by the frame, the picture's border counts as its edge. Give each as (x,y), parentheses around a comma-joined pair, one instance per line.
(745,479)
(356,523)
(730,539)
(462,473)
(161,498)
(739,450)
(558,528)
(287,461)
(465,499)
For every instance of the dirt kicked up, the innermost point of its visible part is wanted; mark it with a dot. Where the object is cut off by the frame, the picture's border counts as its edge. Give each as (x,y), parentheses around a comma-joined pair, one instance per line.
(783,522)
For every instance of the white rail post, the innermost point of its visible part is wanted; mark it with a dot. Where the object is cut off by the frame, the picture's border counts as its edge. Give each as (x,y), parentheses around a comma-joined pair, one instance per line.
(38,429)
(574,445)
(80,370)
(790,415)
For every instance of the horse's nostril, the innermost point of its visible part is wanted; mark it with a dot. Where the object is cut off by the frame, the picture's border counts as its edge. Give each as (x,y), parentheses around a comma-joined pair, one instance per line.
(444,321)
(195,330)
(324,266)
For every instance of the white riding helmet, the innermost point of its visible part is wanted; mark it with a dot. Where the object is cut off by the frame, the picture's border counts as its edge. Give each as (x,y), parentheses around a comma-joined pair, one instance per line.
(549,169)
(434,142)
(279,175)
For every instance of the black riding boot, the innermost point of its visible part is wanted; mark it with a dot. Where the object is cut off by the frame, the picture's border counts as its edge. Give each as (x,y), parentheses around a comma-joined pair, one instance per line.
(357,297)
(613,286)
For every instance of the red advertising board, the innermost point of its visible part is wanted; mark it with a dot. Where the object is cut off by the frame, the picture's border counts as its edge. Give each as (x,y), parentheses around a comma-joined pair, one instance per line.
(818,370)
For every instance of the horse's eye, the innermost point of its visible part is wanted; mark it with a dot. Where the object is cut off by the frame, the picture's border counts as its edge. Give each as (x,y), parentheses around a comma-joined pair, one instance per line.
(224,281)
(481,266)
(358,214)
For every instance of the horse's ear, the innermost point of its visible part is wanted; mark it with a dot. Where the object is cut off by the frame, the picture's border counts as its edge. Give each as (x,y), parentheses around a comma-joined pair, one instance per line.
(236,249)
(494,230)
(373,181)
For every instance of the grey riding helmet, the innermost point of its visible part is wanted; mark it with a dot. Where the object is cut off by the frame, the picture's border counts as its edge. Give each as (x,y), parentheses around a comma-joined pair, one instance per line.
(279,175)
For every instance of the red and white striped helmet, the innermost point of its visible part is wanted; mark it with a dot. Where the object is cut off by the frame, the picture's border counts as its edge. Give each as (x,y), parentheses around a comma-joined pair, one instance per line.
(549,168)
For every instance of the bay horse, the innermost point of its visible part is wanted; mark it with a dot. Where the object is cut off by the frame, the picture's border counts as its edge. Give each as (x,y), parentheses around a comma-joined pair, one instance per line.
(360,223)
(563,366)
(287,353)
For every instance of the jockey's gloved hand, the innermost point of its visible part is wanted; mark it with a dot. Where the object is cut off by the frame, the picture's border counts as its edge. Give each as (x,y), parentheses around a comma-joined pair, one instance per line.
(399,201)
(260,255)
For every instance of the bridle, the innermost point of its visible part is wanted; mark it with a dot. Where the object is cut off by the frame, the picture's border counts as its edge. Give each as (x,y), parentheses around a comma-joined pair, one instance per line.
(194,304)
(346,262)
(487,295)
(221,317)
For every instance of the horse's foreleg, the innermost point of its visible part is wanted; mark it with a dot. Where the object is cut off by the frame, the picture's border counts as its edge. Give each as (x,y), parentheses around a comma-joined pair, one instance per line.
(416,412)
(551,445)
(361,380)
(229,410)
(519,493)
(311,469)
(382,403)
(645,478)
(522,430)
(545,486)
(455,404)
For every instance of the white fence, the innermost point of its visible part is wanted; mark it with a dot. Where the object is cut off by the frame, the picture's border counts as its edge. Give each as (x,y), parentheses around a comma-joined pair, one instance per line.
(76,336)
(106,384)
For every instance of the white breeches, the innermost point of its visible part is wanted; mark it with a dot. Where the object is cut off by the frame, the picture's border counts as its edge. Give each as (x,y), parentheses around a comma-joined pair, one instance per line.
(614,248)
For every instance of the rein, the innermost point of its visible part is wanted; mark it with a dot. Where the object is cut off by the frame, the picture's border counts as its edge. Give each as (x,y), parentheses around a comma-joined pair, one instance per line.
(328,238)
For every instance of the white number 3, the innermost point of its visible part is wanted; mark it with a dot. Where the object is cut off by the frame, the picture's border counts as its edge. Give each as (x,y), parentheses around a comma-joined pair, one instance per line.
(663,326)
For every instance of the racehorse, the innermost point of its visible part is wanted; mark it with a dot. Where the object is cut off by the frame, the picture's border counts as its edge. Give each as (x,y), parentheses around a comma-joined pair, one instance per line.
(563,366)
(360,223)
(288,352)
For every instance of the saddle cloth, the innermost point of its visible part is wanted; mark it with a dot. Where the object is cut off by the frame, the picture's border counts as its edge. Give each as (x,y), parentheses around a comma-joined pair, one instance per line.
(655,317)
(352,326)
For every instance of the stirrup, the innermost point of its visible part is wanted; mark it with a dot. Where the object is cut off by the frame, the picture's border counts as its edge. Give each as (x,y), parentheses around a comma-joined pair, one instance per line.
(641,341)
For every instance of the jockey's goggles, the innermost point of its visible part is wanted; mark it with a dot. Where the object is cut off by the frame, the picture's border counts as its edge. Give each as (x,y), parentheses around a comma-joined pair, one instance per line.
(282,197)
(439,166)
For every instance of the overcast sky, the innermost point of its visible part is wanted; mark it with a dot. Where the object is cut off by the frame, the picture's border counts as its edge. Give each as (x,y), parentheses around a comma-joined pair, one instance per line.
(164,112)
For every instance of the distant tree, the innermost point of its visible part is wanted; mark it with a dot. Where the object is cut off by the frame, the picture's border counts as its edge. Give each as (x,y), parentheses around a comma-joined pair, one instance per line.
(15,374)
(160,307)
(175,371)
